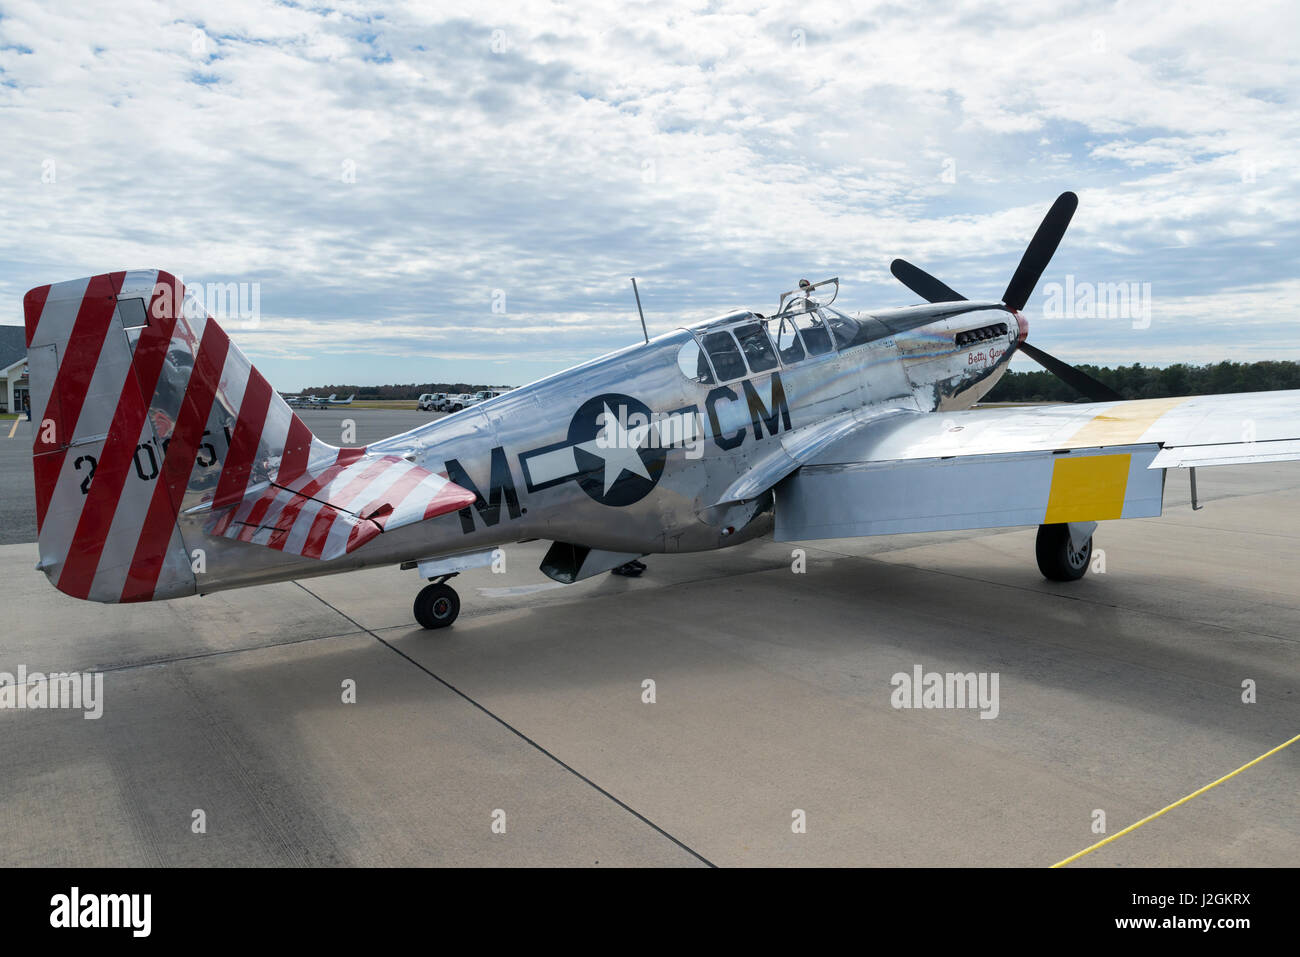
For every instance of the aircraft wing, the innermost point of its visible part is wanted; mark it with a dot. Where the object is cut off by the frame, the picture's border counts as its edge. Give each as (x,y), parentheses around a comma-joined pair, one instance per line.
(333,509)
(981,468)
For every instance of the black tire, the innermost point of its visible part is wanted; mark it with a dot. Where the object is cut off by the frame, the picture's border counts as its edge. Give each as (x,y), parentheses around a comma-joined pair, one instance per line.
(436,606)
(1056,559)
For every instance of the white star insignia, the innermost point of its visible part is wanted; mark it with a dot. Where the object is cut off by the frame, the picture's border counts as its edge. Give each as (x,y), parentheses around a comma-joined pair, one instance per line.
(618,446)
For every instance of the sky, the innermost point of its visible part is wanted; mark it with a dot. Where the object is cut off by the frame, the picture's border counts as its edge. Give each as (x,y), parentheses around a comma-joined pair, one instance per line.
(416,192)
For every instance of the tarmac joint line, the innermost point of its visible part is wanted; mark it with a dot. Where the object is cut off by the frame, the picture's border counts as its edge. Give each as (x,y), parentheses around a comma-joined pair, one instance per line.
(513,730)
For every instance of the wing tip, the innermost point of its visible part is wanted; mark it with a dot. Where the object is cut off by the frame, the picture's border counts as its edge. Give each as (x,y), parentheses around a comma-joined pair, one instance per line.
(450,498)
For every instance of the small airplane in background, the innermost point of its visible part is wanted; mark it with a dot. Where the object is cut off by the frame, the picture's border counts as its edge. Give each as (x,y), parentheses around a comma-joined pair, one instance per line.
(192,475)
(315,401)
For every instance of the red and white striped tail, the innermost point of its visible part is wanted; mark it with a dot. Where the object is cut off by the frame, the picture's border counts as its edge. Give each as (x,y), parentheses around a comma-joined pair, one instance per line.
(143,409)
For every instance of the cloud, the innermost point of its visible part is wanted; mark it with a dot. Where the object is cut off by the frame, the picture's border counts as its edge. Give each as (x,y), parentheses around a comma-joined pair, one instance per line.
(383,171)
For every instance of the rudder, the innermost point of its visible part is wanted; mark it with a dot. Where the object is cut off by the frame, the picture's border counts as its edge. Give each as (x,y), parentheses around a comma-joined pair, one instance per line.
(143,408)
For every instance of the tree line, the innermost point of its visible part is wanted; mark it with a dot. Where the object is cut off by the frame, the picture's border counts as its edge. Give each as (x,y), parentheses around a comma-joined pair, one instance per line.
(1132,382)
(1148,382)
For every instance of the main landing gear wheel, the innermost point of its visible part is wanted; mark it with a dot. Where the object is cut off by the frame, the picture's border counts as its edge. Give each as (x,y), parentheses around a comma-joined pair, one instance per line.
(631,569)
(437,605)
(1058,560)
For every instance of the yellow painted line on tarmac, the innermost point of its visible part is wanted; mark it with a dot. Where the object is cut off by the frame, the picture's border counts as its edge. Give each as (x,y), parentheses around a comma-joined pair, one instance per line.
(1151,817)
(14,428)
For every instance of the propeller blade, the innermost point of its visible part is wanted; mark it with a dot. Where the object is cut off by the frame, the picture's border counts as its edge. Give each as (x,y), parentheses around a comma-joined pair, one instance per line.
(1076,378)
(922,283)
(1040,250)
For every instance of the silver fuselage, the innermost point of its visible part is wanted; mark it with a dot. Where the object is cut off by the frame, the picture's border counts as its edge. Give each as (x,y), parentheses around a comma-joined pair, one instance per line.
(514,450)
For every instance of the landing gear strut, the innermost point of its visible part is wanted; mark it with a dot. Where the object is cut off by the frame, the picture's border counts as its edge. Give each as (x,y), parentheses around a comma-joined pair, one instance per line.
(1060,559)
(437,604)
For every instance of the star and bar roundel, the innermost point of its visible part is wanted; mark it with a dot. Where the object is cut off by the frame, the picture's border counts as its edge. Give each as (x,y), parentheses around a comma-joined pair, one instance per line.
(609,452)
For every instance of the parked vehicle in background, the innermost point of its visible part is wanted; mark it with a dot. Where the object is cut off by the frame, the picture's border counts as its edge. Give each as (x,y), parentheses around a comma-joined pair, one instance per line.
(454,402)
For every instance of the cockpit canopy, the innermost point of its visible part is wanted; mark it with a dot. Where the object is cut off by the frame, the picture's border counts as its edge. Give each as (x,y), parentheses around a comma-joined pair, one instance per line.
(743,343)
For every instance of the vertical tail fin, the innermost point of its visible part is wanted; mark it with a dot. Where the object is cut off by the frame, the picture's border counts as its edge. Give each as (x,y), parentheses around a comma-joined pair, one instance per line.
(142,407)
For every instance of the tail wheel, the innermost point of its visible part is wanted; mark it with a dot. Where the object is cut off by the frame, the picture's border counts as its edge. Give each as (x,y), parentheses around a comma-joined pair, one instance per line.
(436,606)
(1058,560)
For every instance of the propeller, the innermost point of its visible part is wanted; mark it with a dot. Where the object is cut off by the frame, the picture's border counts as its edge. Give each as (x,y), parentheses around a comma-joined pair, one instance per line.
(1040,250)
(1078,379)
(922,283)
(1037,255)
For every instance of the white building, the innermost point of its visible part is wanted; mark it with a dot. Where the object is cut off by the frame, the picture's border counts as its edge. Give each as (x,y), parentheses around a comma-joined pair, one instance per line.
(13,368)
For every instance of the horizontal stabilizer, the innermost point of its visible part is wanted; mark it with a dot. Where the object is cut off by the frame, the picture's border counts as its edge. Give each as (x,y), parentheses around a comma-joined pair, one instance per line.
(330,511)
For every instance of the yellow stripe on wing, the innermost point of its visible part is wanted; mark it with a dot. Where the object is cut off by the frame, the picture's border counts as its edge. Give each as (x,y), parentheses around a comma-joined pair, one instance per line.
(1088,488)
(1124,423)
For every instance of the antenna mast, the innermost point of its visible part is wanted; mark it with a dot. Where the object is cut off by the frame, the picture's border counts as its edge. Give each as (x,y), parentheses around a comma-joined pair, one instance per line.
(638,309)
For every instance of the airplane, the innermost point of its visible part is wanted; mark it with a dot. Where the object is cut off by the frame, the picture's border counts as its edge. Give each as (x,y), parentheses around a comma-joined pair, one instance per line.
(165,465)
(315,401)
